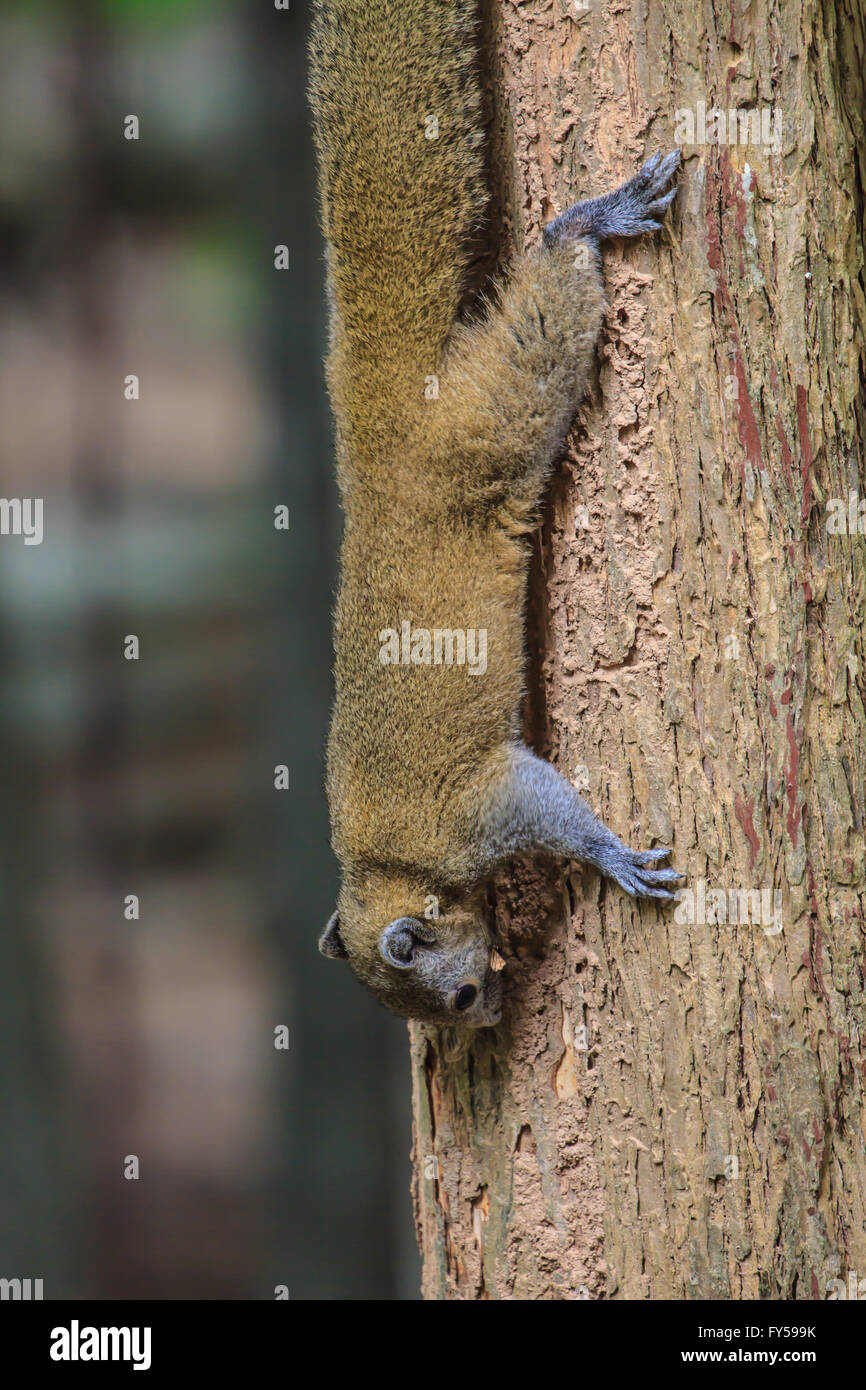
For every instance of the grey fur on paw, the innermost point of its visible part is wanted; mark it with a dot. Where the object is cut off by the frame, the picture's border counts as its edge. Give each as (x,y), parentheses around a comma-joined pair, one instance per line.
(636,207)
(631,870)
(647,197)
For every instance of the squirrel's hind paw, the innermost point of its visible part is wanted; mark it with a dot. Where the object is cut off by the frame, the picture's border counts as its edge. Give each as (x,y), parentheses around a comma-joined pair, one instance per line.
(634,208)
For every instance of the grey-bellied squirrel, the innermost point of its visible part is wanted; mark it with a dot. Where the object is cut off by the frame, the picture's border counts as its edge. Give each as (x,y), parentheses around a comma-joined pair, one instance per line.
(446,432)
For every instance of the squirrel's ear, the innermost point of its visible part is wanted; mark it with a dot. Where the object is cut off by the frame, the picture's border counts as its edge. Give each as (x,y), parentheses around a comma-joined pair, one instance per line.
(401,939)
(331,942)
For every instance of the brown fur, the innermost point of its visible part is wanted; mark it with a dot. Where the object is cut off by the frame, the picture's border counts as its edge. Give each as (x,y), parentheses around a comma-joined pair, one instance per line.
(439,494)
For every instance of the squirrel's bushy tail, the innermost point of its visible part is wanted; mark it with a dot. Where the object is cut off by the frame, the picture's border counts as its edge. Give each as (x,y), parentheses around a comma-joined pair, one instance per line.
(397,111)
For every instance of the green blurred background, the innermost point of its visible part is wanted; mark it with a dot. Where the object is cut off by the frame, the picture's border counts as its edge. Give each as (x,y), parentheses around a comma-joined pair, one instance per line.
(154,1037)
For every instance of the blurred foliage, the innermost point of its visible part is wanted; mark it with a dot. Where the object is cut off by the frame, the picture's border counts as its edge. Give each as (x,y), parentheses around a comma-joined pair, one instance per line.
(156,777)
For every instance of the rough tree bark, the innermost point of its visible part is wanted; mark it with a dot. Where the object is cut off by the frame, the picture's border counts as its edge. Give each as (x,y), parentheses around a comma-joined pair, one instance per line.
(673,1109)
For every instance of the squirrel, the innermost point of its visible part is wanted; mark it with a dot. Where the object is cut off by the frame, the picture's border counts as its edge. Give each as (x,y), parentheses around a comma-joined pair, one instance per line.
(446,433)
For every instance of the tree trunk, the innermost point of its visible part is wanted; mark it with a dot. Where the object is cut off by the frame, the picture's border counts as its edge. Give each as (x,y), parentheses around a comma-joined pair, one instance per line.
(673,1105)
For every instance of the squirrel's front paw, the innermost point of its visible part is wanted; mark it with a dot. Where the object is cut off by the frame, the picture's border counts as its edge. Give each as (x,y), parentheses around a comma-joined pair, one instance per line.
(637,207)
(630,869)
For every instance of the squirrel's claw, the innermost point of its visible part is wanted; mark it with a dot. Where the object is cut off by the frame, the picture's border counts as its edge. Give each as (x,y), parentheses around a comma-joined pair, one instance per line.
(630,870)
(629,211)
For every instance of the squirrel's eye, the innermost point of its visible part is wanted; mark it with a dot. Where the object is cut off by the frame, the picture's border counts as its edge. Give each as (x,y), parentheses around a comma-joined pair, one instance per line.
(464,997)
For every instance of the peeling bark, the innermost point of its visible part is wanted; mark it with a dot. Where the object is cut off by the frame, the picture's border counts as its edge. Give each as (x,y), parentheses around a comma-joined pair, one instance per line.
(674,1108)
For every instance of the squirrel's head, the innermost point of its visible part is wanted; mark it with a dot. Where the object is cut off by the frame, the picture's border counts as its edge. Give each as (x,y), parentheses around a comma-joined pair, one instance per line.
(437,969)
